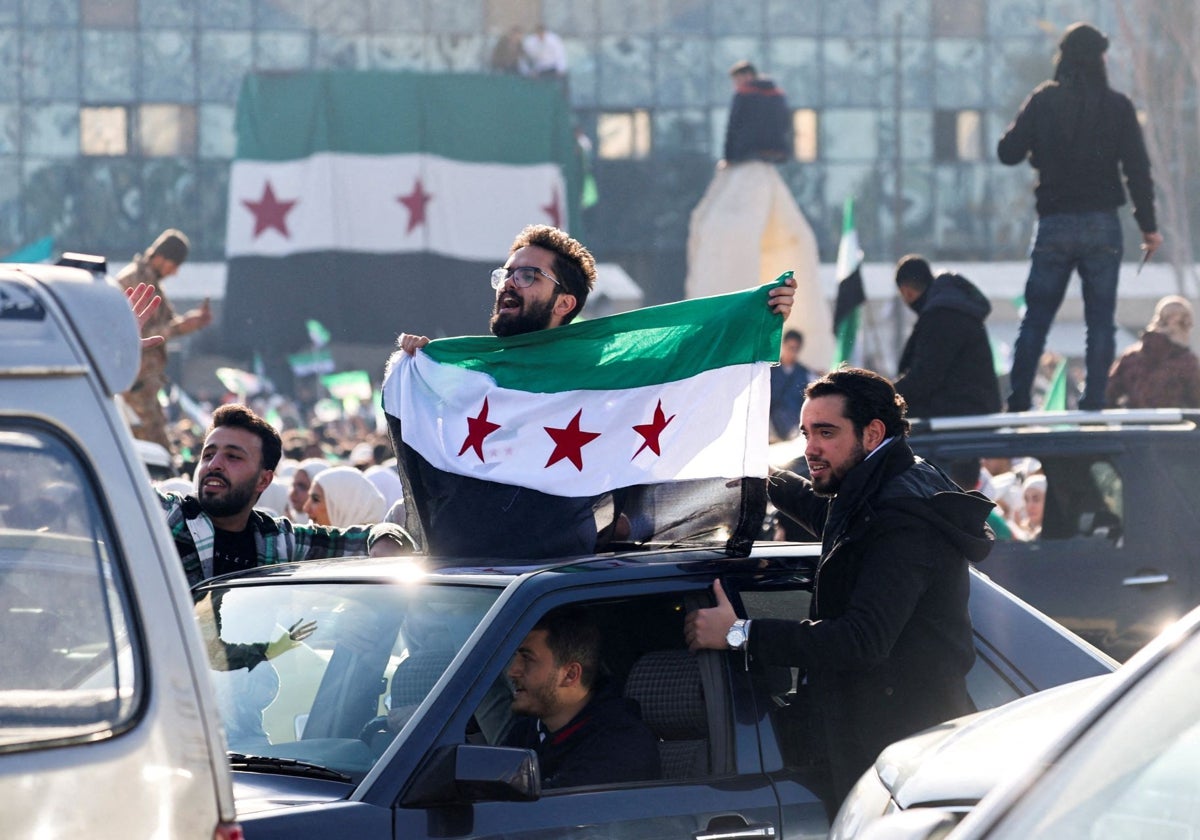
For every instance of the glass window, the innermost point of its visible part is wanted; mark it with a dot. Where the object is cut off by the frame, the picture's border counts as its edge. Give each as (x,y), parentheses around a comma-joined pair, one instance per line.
(624,134)
(330,672)
(1133,774)
(166,130)
(805,135)
(104,130)
(955,19)
(68,656)
(958,136)
(108,12)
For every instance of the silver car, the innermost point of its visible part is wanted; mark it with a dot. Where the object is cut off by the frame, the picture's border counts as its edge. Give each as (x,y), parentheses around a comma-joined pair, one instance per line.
(108,725)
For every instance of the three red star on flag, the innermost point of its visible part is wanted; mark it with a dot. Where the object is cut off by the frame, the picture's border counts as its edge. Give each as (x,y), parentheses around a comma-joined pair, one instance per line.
(569,440)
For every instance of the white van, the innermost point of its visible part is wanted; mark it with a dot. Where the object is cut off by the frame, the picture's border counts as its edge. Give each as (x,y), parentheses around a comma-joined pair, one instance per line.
(107,721)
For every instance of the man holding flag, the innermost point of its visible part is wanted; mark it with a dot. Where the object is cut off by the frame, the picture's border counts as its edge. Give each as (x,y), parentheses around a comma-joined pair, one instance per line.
(472,496)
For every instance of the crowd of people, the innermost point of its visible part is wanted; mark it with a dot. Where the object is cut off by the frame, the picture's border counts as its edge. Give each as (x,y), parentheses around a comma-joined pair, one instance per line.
(898,534)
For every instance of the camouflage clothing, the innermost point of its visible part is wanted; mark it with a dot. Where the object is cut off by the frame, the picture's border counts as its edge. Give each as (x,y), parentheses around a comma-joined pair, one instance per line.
(142,396)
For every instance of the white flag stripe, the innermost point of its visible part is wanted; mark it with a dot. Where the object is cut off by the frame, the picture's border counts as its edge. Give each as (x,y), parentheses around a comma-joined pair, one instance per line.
(721,435)
(372,185)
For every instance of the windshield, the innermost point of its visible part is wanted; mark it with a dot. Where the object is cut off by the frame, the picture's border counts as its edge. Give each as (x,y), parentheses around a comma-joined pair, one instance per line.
(329,673)
(1134,774)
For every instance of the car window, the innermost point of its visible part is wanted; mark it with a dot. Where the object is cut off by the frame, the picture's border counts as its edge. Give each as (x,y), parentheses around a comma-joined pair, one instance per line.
(1133,773)
(330,673)
(1046,496)
(68,662)
(643,661)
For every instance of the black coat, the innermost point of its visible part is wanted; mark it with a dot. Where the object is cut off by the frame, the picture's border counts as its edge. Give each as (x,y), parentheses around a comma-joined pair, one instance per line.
(888,641)
(946,369)
(606,743)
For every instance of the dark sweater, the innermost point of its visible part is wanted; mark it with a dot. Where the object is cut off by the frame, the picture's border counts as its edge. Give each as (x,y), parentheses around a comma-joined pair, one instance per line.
(1080,147)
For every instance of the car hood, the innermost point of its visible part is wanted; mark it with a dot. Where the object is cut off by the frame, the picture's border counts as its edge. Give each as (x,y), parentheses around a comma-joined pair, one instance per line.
(961,760)
(258,792)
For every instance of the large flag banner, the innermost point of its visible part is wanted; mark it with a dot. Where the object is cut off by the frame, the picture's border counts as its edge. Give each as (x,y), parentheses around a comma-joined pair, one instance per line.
(850,295)
(668,393)
(375,203)
(651,418)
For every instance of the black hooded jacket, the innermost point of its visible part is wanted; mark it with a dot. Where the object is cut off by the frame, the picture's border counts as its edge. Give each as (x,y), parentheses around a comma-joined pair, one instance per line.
(946,369)
(888,641)
(1081,142)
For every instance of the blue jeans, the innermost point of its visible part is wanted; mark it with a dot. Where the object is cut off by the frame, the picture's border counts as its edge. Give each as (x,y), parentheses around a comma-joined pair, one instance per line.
(1092,244)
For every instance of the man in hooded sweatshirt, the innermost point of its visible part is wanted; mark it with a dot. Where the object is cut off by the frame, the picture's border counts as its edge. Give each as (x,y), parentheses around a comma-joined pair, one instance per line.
(1081,136)
(946,369)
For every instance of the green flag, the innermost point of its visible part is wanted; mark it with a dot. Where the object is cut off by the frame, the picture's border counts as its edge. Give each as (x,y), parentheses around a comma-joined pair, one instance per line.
(850,294)
(1056,394)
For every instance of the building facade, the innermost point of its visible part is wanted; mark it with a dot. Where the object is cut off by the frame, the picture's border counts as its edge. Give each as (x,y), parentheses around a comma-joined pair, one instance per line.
(117,116)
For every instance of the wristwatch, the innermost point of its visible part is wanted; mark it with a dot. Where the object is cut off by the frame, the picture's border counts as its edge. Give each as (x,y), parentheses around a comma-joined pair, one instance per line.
(738,634)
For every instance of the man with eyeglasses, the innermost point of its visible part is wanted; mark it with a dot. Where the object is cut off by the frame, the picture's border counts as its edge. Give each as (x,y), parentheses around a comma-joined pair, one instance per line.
(544,283)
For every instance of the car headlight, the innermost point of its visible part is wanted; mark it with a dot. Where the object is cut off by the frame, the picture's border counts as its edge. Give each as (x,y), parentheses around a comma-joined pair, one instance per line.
(867,801)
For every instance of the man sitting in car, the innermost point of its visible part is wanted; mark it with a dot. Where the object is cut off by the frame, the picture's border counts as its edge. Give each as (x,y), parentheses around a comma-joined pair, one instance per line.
(583,732)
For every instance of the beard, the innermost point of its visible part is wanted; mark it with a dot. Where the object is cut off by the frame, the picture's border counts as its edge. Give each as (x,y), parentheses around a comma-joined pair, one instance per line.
(535,700)
(234,500)
(828,485)
(532,317)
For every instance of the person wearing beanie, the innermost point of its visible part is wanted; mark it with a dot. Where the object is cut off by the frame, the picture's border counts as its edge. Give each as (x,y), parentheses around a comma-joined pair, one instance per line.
(154,265)
(1082,137)
(946,368)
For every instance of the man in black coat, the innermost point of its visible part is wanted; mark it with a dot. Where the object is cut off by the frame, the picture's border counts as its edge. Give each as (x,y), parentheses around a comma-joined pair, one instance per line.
(888,641)
(946,368)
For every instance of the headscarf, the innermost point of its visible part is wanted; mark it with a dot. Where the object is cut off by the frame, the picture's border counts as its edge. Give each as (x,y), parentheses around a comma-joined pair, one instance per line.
(350,497)
(386,481)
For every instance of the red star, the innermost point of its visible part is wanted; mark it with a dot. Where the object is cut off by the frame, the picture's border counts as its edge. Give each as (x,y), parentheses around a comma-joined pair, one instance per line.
(478,428)
(650,431)
(415,201)
(569,442)
(270,212)
(553,210)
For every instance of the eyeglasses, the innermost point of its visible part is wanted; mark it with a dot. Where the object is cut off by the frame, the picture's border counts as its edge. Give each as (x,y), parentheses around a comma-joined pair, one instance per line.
(523,276)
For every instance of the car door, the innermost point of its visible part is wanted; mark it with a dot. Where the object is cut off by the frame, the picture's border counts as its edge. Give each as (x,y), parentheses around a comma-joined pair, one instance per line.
(729,797)
(1094,564)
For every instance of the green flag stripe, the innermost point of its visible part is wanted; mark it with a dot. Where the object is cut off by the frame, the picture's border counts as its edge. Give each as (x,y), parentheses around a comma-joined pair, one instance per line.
(291,116)
(648,346)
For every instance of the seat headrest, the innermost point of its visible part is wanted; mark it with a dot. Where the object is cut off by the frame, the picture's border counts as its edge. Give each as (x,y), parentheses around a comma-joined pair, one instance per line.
(666,684)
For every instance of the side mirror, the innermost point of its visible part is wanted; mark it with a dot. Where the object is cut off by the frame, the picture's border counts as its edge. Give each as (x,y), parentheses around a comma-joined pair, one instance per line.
(468,773)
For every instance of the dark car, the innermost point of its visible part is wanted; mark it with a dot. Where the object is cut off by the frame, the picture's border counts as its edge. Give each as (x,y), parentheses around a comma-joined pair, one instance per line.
(1116,559)
(385,721)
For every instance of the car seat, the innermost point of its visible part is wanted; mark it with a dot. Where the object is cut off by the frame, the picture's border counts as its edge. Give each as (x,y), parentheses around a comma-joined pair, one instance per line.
(667,686)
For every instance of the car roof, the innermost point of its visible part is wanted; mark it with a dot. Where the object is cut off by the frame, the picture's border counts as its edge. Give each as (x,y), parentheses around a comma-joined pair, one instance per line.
(1061,421)
(33,298)
(501,572)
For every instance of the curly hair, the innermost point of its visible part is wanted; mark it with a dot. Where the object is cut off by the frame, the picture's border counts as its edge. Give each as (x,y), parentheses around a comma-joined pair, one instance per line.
(239,416)
(574,264)
(869,396)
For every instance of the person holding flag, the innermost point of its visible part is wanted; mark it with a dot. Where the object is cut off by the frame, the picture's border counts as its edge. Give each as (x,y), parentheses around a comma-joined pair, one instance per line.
(473,420)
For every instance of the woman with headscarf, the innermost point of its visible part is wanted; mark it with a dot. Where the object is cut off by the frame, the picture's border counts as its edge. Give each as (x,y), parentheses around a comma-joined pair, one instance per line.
(342,497)
(302,479)
(1160,370)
